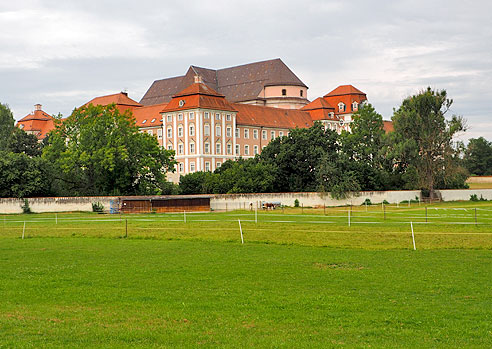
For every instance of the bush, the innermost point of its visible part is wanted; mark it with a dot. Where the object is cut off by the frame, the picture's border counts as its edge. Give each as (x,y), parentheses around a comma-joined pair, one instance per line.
(386,202)
(367,202)
(97,207)
(296,203)
(26,208)
(473,197)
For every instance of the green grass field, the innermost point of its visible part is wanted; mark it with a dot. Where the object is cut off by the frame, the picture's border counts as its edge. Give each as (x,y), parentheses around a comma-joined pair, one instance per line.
(303,278)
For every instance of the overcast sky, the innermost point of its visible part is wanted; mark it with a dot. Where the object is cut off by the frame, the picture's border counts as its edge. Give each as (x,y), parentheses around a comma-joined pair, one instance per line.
(63,53)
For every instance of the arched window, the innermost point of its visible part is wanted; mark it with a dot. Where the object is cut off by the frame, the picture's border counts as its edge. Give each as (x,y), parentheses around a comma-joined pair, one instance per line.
(284,92)
(341,107)
(206,130)
(180,131)
(192,130)
(355,105)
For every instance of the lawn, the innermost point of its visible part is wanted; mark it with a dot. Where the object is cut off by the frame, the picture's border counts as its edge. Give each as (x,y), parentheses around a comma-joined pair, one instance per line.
(302,279)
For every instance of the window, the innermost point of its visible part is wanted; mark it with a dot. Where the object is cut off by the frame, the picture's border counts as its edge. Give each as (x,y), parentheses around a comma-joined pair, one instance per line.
(255,149)
(143,122)
(284,92)
(229,148)
(159,133)
(301,93)
(264,134)
(246,133)
(228,131)
(218,131)
(217,164)
(169,146)
(206,115)
(238,148)
(341,107)
(255,134)
(181,102)
(150,132)
(228,117)
(192,148)
(237,132)
(153,120)
(246,150)
(192,116)
(280,134)
(169,132)
(180,148)
(206,148)
(192,167)
(180,116)
(180,131)
(354,106)
(217,116)
(272,134)
(217,148)
(207,165)
(169,118)
(206,130)
(192,130)
(181,167)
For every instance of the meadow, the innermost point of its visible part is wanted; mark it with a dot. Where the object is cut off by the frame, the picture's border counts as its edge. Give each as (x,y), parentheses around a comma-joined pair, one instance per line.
(303,278)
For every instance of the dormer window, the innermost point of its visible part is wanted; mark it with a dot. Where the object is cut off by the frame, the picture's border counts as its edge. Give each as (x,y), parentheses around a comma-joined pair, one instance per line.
(284,92)
(181,102)
(153,120)
(341,107)
(143,122)
(355,105)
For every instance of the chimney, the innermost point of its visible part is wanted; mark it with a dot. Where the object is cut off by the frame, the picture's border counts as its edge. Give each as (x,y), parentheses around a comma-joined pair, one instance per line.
(198,79)
(37,107)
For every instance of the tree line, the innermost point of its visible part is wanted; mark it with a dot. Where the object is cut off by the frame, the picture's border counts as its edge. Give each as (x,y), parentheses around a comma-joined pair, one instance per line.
(99,150)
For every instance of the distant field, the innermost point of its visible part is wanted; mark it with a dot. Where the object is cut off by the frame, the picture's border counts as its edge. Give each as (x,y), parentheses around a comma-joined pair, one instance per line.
(480,185)
(303,278)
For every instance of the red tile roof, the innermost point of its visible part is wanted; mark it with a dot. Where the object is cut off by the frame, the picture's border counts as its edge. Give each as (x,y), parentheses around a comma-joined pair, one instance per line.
(319,109)
(149,116)
(121,99)
(388,126)
(345,90)
(254,115)
(38,123)
(198,95)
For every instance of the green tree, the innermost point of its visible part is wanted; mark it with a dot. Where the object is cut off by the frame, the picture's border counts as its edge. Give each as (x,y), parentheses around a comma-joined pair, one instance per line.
(6,125)
(478,157)
(22,142)
(23,176)
(423,137)
(296,157)
(366,148)
(100,151)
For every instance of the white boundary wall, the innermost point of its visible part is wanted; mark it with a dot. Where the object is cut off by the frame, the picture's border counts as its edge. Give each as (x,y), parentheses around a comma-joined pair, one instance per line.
(464,194)
(244,201)
(60,204)
(236,201)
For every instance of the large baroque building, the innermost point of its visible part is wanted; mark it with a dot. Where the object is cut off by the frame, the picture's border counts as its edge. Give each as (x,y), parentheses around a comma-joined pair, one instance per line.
(210,116)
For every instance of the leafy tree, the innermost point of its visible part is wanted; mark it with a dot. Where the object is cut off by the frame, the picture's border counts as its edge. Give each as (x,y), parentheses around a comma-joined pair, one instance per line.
(337,176)
(478,157)
(423,137)
(100,151)
(23,175)
(241,176)
(297,156)
(22,142)
(6,125)
(366,147)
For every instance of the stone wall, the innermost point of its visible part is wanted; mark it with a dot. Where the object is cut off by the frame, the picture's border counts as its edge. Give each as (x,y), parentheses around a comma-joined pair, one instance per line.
(236,201)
